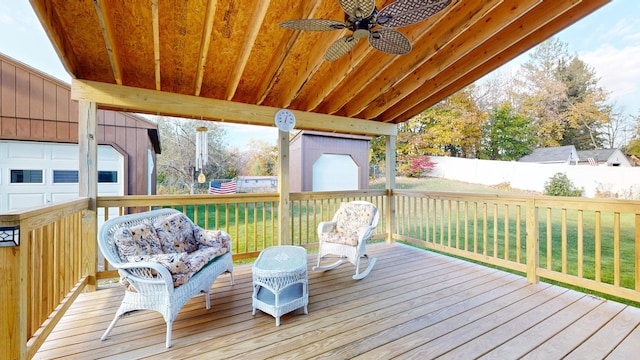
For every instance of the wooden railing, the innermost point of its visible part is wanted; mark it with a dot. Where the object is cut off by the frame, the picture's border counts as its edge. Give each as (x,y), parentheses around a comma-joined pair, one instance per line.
(588,243)
(250,219)
(42,275)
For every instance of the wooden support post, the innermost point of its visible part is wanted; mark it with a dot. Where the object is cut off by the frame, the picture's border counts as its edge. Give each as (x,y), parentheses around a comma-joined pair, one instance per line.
(390,162)
(533,256)
(88,187)
(13,297)
(283,188)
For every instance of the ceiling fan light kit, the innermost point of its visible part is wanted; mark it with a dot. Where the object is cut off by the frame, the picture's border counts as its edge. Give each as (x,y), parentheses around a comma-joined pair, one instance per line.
(362,18)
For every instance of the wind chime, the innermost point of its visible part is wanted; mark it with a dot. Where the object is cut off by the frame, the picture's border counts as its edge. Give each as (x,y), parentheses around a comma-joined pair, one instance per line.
(201,151)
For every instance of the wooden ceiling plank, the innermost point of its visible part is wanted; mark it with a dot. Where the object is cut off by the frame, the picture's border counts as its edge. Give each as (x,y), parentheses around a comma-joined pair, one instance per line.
(204,43)
(45,12)
(367,105)
(156,42)
(544,21)
(125,98)
(258,15)
(275,66)
(378,76)
(107,34)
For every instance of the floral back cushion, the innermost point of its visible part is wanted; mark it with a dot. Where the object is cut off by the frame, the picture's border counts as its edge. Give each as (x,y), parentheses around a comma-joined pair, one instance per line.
(176,234)
(352,217)
(140,239)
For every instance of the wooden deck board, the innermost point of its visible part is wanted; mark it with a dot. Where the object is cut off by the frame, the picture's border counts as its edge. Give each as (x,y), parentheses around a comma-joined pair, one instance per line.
(414,304)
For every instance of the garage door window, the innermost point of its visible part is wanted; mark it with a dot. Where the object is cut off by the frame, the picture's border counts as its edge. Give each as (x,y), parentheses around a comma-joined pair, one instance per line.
(26,177)
(107,176)
(71,176)
(65,177)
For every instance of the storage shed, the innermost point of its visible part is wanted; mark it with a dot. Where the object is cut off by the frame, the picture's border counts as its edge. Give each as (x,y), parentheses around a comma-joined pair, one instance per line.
(324,161)
(39,136)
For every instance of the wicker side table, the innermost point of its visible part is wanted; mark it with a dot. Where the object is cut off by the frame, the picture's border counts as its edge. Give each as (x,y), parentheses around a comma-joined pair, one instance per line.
(280,282)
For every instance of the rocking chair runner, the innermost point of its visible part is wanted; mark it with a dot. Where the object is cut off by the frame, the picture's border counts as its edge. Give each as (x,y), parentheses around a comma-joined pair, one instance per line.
(346,236)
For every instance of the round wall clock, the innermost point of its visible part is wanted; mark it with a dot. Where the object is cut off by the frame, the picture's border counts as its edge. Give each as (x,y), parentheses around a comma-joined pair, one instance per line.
(285,120)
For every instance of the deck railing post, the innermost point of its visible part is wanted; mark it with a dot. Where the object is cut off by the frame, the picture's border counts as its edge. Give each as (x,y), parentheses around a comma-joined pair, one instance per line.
(390,171)
(532,248)
(13,298)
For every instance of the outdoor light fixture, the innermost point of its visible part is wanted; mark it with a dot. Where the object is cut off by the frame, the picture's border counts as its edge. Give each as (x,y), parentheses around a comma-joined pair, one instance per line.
(10,235)
(201,151)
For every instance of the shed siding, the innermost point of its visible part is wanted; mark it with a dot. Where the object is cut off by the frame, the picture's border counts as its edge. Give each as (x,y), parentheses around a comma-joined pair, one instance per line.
(308,146)
(37,107)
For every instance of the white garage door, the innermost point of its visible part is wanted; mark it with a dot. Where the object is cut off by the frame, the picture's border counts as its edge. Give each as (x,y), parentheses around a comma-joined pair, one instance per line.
(335,172)
(35,173)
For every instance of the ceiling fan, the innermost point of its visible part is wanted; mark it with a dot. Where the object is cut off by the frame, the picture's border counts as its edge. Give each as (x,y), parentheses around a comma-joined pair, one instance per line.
(362,17)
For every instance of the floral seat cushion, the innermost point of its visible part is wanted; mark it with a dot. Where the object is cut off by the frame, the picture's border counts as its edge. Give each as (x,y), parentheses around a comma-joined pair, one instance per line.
(173,242)
(350,219)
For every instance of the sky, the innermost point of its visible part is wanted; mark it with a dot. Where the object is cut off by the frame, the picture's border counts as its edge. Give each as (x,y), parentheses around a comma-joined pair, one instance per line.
(608,40)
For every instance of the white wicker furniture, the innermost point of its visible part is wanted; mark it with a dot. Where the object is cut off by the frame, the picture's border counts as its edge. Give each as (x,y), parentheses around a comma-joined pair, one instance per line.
(280,282)
(346,236)
(151,286)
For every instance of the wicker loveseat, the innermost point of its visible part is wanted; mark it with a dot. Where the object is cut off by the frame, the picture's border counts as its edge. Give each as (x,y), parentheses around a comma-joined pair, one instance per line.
(164,259)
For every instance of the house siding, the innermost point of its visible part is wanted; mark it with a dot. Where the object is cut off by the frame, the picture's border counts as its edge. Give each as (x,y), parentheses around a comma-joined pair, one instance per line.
(37,107)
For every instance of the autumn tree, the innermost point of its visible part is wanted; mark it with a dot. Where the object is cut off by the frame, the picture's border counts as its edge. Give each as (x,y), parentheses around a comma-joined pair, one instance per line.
(262,159)
(560,93)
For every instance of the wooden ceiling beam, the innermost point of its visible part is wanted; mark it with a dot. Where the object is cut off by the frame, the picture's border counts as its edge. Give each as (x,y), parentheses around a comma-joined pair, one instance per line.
(469,41)
(276,65)
(532,21)
(156,42)
(538,36)
(105,27)
(125,98)
(45,12)
(259,13)
(204,44)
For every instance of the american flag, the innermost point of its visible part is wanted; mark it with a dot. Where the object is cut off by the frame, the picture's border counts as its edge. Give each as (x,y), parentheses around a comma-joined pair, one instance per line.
(216,187)
(592,161)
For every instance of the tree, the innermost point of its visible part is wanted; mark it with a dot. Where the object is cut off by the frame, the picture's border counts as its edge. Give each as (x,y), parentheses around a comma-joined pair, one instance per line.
(262,159)
(560,93)
(633,147)
(176,163)
(507,135)
(452,127)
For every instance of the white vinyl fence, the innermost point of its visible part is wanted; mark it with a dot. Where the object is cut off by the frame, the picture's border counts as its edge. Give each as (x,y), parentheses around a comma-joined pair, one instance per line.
(621,182)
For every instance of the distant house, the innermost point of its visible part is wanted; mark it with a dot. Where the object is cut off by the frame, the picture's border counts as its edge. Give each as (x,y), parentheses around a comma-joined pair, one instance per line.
(262,184)
(39,143)
(607,157)
(553,155)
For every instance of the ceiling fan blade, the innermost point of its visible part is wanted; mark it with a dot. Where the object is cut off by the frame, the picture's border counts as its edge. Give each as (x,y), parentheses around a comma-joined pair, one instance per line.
(340,47)
(390,41)
(312,24)
(406,12)
(358,8)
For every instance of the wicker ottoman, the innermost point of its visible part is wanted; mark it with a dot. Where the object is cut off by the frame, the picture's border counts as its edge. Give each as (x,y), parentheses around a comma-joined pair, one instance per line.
(280,282)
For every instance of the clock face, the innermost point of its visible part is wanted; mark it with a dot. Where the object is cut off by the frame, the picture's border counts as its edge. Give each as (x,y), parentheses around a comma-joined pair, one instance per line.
(285,120)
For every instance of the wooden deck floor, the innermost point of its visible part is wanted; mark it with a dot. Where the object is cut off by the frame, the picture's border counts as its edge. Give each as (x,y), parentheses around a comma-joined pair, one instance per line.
(414,305)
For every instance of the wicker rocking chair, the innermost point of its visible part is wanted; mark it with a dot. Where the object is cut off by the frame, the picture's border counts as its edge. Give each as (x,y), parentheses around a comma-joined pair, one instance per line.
(346,236)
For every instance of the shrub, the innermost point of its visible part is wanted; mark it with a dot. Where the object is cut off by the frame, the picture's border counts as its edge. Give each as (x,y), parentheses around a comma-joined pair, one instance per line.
(418,166)
(560,185)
